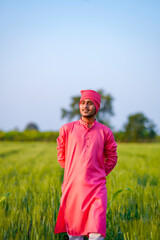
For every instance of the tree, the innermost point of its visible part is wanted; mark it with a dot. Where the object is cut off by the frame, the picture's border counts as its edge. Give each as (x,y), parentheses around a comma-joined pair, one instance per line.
(105,111)
(32,126)
(139,128)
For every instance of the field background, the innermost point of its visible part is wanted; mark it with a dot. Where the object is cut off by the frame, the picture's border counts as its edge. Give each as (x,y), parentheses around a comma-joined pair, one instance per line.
(31,173)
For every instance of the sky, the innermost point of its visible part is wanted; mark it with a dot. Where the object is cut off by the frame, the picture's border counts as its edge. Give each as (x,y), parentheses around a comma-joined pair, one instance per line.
(50,50)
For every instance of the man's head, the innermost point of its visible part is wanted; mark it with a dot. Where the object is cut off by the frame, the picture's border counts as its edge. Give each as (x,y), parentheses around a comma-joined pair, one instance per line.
(89,103)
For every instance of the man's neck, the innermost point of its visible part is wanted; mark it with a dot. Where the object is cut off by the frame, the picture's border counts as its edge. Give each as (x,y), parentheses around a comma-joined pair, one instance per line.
(89,121)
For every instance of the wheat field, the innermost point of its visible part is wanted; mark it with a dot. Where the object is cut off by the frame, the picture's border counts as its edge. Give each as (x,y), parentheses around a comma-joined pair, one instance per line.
(30,191)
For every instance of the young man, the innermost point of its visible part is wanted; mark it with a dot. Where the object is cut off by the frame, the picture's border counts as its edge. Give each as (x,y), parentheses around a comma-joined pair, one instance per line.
(87,152)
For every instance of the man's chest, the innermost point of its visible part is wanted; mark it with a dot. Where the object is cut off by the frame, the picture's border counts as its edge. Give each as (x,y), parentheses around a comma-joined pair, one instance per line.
(91,137)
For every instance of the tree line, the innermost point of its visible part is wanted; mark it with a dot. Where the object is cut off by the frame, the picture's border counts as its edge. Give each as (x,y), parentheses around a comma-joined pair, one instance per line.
(138,128)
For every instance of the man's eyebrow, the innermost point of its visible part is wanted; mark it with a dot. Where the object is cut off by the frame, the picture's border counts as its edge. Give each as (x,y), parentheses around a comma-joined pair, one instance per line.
(89,101)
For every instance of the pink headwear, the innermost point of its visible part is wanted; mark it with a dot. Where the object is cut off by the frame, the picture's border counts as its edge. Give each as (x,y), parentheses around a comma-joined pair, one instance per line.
(93,95)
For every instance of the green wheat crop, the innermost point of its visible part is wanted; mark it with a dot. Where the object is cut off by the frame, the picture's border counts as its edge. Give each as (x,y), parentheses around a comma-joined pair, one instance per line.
(30,191)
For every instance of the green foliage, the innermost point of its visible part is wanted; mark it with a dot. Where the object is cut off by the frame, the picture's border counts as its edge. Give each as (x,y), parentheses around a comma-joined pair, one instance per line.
(157,138)
(105,111)
(32,135)
(31,172)
(29,135)
(139,128)
(4,197)
(120,136)
(115,196)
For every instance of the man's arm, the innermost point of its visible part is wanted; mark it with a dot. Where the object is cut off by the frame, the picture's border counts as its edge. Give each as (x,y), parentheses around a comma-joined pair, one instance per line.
(110,152)
(61,148)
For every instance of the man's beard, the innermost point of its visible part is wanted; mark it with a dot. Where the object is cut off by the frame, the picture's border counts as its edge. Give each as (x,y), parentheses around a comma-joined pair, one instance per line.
(90,115)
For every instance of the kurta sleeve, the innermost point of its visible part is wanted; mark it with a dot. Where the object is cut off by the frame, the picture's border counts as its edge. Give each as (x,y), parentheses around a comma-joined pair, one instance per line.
(110,152)
(61,148)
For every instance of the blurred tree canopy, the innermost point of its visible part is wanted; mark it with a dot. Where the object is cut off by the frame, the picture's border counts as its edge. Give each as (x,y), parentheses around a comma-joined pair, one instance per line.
(32,126)
(139,128)
(105,111)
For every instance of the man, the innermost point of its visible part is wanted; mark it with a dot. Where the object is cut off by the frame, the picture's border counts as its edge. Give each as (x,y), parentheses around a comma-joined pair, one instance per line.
(87,152)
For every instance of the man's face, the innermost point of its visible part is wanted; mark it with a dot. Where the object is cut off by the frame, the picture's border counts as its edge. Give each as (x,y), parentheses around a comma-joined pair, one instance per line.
(87,108)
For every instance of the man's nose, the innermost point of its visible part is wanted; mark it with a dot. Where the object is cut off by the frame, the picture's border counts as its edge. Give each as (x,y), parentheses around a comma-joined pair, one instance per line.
(85,105)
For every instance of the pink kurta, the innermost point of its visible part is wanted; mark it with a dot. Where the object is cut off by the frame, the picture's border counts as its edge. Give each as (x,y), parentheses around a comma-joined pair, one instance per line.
(87,155)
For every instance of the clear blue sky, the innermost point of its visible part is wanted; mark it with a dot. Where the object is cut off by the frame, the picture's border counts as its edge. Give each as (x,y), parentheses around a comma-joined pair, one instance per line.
(50,50)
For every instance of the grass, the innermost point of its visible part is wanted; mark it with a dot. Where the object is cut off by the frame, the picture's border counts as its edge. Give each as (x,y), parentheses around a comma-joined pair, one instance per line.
(30,172)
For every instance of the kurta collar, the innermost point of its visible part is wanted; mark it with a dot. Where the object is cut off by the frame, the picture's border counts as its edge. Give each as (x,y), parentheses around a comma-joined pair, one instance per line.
(86,124)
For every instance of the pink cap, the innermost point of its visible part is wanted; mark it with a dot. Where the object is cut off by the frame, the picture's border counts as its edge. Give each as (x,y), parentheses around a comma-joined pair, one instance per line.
(93,96)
